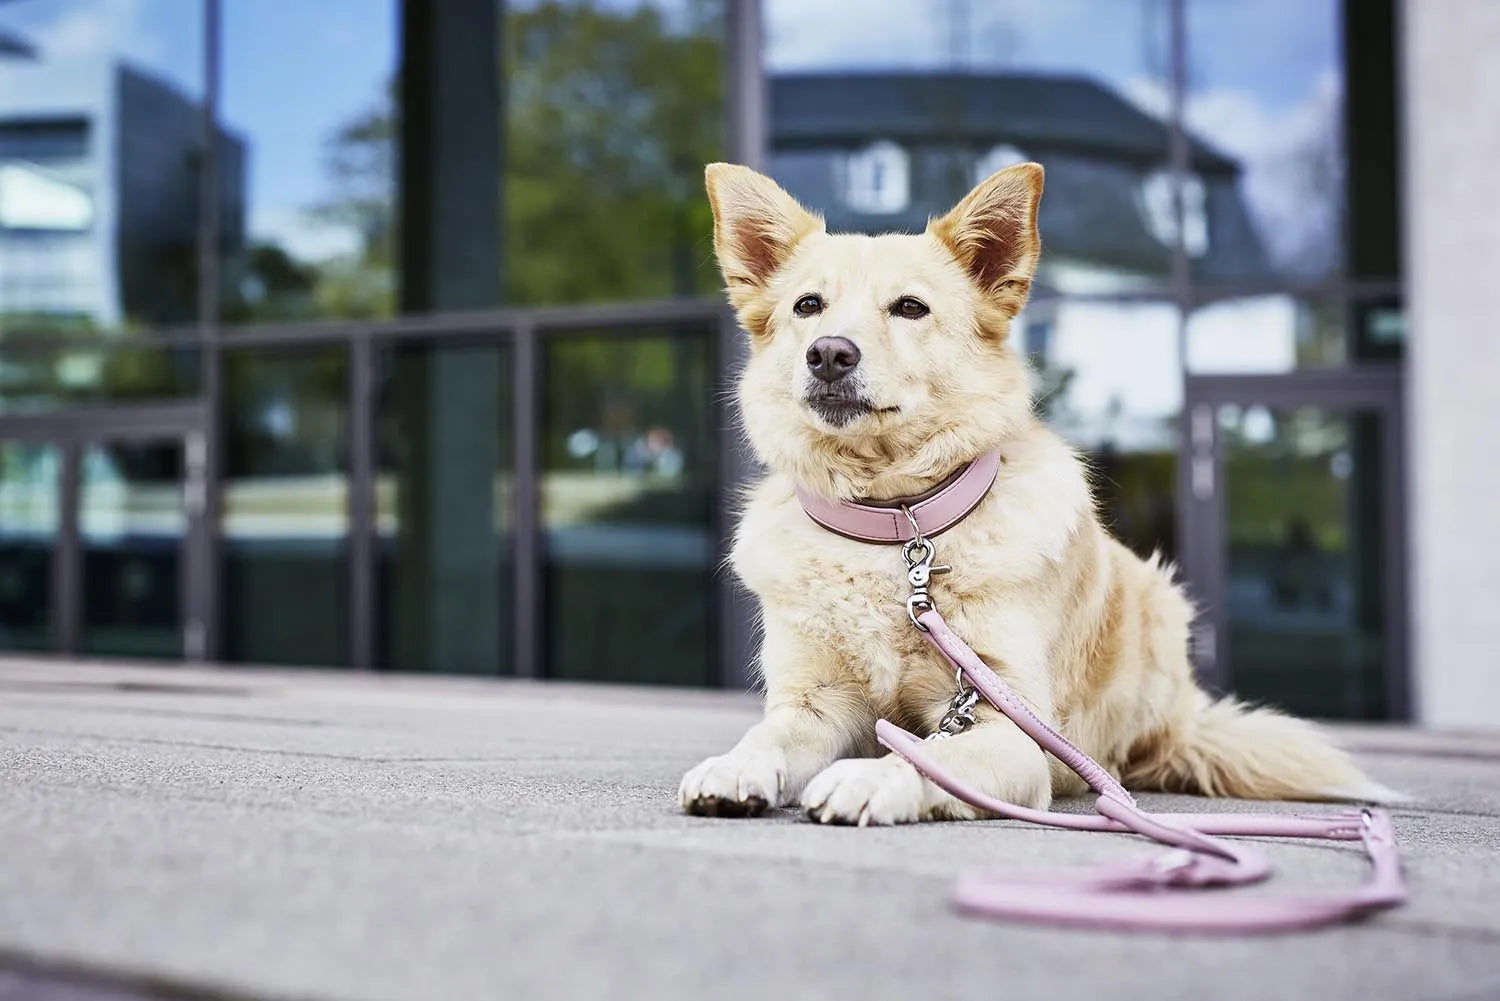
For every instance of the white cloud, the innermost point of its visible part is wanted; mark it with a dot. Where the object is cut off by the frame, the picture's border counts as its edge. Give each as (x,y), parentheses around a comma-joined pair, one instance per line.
(1291,161)
(1293,167)
(104,28)
(815,35)
(307,240)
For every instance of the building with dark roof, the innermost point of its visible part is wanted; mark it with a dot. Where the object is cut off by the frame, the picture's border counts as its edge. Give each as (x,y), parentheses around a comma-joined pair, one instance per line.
(885,151)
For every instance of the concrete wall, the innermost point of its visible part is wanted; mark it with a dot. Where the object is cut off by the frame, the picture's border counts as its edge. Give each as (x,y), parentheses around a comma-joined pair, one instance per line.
(1452,197)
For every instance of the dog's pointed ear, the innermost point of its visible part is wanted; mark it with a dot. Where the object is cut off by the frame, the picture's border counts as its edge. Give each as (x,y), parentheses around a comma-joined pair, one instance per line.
(993,234)
(756,225)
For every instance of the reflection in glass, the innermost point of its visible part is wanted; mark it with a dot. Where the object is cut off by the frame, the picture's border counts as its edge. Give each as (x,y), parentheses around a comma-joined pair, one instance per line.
(34,380)
(1267,333)
(1304,589)
(309,88)
(627,496)
(132,525)
(884,120)
(100,154)
(1108,379)
(1265,89)
(443,499)
(285,520)
(611,112)
(28,531)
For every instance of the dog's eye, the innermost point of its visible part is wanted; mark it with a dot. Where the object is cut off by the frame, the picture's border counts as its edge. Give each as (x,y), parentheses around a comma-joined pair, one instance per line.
(909,308)
(808,305)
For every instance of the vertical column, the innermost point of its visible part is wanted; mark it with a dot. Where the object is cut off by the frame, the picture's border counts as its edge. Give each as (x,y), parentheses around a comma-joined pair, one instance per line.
(746,114)
(361,501)
(205,556)
(67,554)
(447,588)
(526,553)
(1452,250)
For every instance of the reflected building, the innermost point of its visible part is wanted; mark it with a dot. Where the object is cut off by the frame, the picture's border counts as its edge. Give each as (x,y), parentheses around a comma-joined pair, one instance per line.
(887,151)
(100,170)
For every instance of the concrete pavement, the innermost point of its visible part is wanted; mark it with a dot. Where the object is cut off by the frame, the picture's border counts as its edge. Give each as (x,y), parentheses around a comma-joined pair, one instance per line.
(322,835)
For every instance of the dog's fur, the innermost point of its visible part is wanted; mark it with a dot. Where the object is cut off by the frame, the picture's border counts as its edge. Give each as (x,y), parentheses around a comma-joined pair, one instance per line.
(1092,637)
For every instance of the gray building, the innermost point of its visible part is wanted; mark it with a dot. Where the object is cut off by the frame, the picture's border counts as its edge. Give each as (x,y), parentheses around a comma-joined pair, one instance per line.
(887,151)
(99,199)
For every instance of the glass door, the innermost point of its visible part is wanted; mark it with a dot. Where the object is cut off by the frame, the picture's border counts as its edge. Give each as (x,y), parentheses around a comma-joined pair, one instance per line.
(132,530)
(30,477)
(1295,550)
(102,537)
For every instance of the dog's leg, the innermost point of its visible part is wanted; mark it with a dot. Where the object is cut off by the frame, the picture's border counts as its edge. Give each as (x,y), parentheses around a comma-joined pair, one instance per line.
(814,714)
(994,756)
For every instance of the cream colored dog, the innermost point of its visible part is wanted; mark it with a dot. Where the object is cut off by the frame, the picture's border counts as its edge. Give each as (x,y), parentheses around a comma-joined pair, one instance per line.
(923,380)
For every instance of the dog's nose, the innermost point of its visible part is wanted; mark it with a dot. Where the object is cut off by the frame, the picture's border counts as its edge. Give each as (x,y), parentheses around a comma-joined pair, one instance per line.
(832,358)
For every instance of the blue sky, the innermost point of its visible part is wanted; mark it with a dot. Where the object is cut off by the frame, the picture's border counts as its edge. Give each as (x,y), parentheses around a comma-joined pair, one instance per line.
(295,70)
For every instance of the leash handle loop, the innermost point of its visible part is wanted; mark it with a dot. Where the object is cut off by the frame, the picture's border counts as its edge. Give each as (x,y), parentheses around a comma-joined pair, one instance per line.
(1145,895)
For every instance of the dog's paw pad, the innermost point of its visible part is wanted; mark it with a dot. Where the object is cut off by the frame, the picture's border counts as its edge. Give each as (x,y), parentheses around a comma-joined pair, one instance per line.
(864,791)
(734,785)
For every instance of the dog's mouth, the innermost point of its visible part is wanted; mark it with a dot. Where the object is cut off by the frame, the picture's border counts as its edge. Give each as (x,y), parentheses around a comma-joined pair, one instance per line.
(840,407)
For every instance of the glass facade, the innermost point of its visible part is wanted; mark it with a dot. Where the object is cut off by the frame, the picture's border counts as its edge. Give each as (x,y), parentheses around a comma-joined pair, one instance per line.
(308,89)
(441,276)
(443,511)
(29,478)
(1305,574)
(132,527)
(285,523)
(627,499)
(1265,88)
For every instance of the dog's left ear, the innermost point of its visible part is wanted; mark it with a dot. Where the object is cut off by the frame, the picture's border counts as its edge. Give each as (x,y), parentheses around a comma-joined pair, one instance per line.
(992,233)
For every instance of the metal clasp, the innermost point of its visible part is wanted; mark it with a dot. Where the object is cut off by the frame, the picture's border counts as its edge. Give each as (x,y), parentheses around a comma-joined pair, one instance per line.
(918,553)
(960,714)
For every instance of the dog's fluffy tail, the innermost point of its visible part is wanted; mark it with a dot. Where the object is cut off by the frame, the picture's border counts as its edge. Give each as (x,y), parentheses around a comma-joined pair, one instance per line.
(1226,748)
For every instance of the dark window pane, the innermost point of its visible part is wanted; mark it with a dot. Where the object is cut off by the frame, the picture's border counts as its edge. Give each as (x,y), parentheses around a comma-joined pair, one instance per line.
(627,495)
(1304,593)
(28,531)
(285,521)
(132,526)
(611,112)
(443,502)
(886,119)
(307,89)
(100,138)
(1265,91)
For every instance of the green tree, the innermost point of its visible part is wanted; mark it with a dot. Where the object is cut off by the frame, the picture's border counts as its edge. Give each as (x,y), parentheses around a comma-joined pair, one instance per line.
(609,118)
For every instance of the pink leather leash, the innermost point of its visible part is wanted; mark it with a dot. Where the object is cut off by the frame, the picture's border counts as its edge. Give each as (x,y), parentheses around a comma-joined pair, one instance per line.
(1133,895)
(1126,895)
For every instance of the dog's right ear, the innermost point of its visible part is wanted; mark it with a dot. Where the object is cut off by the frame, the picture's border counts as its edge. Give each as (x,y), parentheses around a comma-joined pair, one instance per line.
(756,225)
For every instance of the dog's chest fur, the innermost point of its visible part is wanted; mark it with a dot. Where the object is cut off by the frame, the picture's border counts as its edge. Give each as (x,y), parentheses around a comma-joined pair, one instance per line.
(845,600)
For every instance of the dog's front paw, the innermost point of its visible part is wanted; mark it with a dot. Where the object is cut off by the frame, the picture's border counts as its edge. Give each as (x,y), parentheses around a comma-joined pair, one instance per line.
(737,784)
(866,791)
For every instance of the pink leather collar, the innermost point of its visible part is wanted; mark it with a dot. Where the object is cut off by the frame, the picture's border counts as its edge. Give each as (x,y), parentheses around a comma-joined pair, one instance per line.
(866,522)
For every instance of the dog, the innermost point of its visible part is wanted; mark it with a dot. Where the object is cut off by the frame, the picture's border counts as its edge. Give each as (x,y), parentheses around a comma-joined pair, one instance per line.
(879,365)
